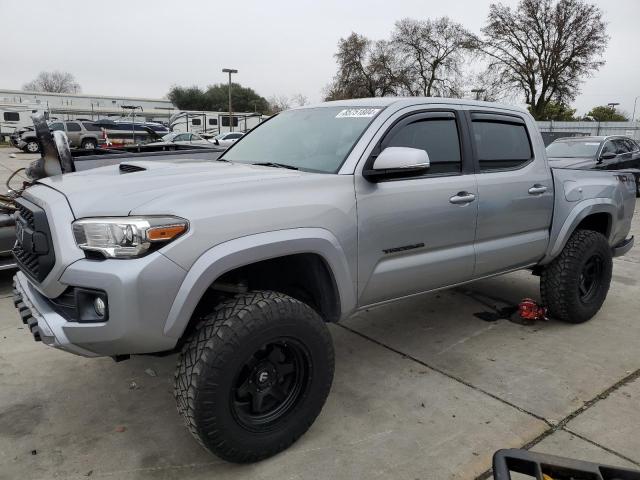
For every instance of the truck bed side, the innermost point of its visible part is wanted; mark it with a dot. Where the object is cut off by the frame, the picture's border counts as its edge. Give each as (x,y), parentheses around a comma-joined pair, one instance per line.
(582,193)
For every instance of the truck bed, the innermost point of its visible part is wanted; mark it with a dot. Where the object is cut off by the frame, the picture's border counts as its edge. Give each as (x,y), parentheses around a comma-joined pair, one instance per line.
(579,193)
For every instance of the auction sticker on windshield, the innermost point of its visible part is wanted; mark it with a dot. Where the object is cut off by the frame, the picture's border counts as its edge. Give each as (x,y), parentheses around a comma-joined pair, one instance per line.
(358,113)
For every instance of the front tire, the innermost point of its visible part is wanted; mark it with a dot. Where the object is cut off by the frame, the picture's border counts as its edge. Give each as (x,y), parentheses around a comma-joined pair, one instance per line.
(575,284)
(254,375)
(32,146)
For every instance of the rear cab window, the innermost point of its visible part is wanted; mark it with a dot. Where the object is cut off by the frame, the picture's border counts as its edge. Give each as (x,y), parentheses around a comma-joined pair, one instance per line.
(501,141)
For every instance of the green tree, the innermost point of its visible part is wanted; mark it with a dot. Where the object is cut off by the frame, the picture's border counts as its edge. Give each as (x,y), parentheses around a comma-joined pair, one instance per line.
(558,111)
(605,113)
(216,98)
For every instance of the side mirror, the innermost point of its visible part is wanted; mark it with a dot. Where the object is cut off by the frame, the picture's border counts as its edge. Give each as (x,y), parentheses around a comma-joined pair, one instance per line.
(398,162)
(608,156)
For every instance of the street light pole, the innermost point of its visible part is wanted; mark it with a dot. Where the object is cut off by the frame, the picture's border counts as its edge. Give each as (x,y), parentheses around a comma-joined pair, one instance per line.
(633,117)
(230,71)
(478,91)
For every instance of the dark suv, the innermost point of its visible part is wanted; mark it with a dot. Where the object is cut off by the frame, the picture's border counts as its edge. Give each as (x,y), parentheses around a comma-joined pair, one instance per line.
(598,153)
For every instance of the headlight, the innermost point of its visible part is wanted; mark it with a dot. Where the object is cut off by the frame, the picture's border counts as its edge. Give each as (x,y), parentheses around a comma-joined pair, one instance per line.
(126,237)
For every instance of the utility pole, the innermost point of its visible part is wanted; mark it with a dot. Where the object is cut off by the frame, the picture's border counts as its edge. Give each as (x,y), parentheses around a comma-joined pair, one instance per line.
(230,71)
(633,117)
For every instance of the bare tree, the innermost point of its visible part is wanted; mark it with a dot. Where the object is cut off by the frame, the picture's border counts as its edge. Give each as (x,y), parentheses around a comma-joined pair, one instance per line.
(365,69)
(432,54)
(57,82)
(278,103)
(544,48)
(299,100)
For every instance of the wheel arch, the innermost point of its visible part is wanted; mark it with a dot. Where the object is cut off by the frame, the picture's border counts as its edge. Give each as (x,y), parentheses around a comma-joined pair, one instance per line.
(594,214)
(246,251)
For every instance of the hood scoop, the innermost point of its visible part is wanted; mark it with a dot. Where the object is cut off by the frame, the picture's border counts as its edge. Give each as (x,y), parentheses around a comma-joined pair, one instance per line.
(129,168)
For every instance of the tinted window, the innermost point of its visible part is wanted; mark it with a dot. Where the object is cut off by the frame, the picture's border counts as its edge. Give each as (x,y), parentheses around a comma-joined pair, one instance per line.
(233,136)
(56,126)
(621,146)
(196,121)
(91,127)
(213,121)
(501,145)
(12,116)
(633,146)
(438,137)
(73,127)
(609,147)
(225,121)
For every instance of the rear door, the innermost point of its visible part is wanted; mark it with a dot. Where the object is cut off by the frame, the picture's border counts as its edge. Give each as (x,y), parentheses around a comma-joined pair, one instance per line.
(515,192)
(74,132)
(415,233)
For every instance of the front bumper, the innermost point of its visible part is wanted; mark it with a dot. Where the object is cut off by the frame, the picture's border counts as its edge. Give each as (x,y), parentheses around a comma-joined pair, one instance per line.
(140,293)
(45,324)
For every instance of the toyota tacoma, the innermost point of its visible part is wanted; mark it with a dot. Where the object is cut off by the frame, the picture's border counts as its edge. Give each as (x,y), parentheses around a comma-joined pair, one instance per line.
(239,263)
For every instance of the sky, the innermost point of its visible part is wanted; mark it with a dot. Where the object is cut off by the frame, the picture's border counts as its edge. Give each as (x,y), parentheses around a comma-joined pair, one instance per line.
(281,47)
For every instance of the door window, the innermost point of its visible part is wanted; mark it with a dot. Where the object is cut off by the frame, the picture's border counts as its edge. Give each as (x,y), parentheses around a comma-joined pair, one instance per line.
(609,147)
(56,126)
(621,146)
(183,137)
(501,145)
(436,136)
(73,127)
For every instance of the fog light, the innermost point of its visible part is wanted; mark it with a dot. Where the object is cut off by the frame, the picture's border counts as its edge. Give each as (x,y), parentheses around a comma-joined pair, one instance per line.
(99,306)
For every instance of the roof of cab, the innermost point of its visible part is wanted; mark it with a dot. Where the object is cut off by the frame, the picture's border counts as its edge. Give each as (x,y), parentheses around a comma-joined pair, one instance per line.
(400,102)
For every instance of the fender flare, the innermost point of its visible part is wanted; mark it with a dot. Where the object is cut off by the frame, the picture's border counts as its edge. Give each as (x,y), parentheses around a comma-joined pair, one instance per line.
(581,211)
(242,251)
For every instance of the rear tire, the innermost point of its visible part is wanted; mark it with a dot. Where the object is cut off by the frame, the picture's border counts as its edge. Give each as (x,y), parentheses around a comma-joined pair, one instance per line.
(575,285)
(254,375)
(89,144)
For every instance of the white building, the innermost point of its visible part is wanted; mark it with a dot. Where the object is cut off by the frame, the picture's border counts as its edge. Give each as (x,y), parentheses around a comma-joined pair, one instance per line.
(17,106)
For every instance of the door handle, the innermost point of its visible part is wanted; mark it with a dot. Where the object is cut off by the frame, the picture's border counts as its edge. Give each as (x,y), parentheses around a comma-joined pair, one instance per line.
(462,198)
(537,189)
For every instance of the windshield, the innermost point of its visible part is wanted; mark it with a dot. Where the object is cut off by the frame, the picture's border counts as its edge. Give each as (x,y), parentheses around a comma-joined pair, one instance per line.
(572,149)
(312,139)
(168,137)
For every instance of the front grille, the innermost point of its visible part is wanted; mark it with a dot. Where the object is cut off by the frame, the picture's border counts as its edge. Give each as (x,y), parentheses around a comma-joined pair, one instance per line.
(33,249)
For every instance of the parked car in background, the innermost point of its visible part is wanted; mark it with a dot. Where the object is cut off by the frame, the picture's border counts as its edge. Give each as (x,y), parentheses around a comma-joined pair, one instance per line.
(597,153)
(178,138)
(227,139)
(81,134)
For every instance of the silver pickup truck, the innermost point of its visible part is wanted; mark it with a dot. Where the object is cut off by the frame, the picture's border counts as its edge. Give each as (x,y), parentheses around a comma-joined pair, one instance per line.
(315,214)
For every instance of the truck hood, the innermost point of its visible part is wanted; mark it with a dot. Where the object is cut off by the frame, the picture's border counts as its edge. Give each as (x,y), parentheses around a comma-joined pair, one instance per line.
(111,191)
(574,162)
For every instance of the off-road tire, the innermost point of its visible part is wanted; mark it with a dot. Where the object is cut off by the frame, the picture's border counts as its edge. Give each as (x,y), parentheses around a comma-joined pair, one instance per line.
(560,282)
(89,141)
(217,350)
(32,146)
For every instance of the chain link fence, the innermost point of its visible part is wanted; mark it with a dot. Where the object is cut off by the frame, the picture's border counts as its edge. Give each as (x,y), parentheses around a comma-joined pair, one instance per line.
(551,130)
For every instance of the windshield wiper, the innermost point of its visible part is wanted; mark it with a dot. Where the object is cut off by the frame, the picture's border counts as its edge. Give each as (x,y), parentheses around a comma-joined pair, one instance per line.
(274,164)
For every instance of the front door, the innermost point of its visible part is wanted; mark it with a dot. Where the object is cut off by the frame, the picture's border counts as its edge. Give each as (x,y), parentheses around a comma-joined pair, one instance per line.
(416,233)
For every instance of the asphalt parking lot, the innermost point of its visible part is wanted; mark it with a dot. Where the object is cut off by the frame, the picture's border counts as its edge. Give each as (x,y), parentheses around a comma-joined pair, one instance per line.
(424,389)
